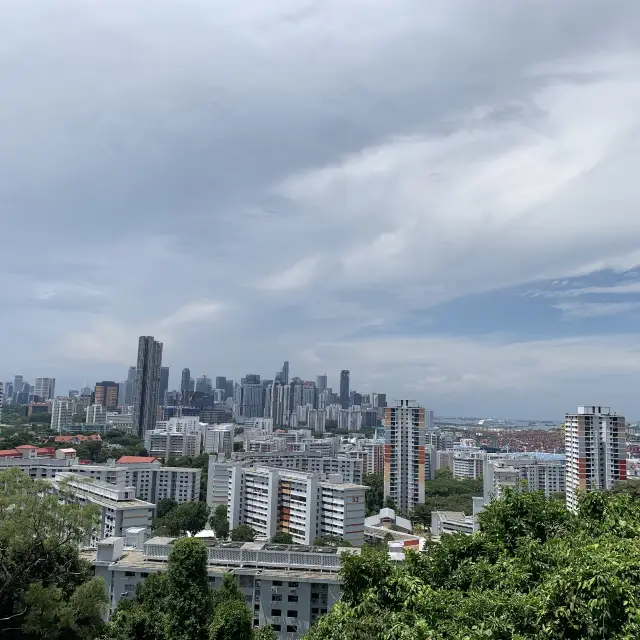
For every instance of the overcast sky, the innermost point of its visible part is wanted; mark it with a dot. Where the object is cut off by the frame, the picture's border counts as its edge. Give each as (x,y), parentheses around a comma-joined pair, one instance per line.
(442,197)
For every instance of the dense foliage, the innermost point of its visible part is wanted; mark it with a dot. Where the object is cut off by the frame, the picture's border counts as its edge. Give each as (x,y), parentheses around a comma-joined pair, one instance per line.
(175,519)
(374,496)
(46,589)
(533,572)
(446,493)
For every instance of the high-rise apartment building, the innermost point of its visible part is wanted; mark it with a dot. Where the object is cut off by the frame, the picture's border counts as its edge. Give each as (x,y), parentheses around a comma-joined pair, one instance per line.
(147,385)
(45,389)
(18,383)
(344,388)
(321,383)
(185,381)
(96,415)
(596,451)
(106,394)
(62,414)
(164,385)
(404,454)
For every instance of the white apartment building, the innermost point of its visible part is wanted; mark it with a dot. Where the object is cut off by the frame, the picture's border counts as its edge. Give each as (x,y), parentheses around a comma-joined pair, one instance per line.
(274,501)
(264,425)
(97,415)
(119,508)
(285,586)
(468,462)
(527,472)
(371,452)
(317,420)
(62,413)
(153,482)
(596,451)
(182,424)
(168,444)
(218,438)
(351,469)
(404,457)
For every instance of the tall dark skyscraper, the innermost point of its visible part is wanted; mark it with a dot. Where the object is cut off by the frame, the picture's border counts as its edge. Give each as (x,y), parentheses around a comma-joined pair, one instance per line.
(321,383)
(147,385)
(106,394)
(344,388)
(164,384)
(184,384)
(285,372)
(221,383)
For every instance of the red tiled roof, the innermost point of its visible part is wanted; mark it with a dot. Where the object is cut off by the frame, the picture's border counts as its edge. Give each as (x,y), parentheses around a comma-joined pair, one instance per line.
(9,453)
(46,451)
(135,459)
(26,446)
(63,439)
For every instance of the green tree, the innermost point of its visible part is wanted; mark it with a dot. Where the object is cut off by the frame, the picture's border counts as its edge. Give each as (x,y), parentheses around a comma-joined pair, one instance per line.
(243,533)
(219,522)
(165,506)
(46,589)
(374,497)
(265,633)
(533,572)
(282,538)
(189,517)
(331,541)
(189,602)
(232,619)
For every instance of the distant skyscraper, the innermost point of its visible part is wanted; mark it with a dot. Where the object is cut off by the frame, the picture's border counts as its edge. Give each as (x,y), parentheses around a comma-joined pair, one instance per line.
(596,451)
(18,382)
(404,454)
(284,374)
(130,387)
(203,384)
(164,384)
(45,389)
(221,383)
(106,394)
(184,383)
(147,385)
(344,388)
(321,383)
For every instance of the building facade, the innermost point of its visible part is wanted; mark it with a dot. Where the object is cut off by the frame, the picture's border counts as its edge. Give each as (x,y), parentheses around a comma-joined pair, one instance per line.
(404,454)
(106,394)
(596,451)
(147,385)
(45,389)
(61,414)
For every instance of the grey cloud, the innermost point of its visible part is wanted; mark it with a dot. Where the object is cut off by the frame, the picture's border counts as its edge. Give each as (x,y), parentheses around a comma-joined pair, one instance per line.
(144,154)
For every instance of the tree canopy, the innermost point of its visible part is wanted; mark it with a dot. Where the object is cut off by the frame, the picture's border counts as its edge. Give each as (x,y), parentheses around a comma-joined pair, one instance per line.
(46,589)
(534,571)
(243,533)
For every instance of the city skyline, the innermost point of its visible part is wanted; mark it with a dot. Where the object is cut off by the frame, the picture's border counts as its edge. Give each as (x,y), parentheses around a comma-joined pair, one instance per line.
(442,202)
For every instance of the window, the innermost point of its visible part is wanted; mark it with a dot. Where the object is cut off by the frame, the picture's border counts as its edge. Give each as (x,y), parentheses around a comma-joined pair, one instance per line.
(293,585)
(277,583)
(323,611)
(256,607)
(256,622)
(293,598)
(292,613)
(130,574)
(276,612)
(276,627)
(314,610)
(144,575)
(292,628)
(276,598)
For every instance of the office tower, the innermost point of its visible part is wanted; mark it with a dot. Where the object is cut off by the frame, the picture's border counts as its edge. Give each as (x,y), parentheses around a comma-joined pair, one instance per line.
(344,388)
(596,451)
(18,382)
(309,396)
(61,414)
(45,389)
(164,385)
(185,381)
(285,372)
(130,387)
(252,398)
(379,400)
(221,383)
(203,384)
(321,383)
(147,385)
(404,453)
(106,394)
(355,399)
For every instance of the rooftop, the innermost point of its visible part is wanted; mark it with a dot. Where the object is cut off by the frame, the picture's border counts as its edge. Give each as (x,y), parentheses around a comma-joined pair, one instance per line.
(137,460)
